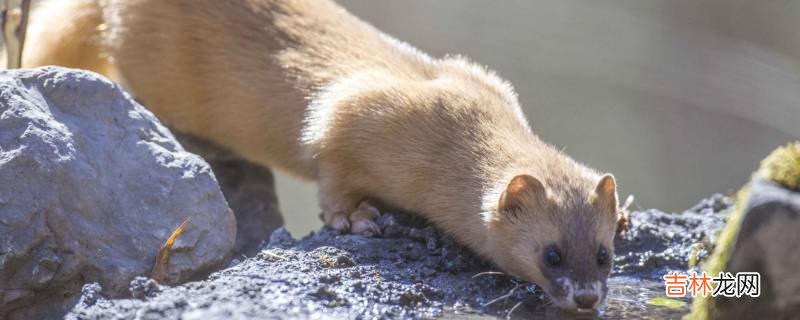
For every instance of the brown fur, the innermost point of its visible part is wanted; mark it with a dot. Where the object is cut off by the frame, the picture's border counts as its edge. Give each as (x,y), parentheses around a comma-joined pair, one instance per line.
(306,87)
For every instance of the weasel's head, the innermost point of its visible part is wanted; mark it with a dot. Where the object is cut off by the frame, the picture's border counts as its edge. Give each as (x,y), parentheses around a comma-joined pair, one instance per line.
(559,237)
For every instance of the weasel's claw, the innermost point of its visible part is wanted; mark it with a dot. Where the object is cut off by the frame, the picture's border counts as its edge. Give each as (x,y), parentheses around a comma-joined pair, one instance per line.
(365,227)
(362,221)
(338,222)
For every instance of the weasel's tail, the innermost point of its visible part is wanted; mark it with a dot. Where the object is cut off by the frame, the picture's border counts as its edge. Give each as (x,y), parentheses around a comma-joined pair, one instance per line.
(67,33)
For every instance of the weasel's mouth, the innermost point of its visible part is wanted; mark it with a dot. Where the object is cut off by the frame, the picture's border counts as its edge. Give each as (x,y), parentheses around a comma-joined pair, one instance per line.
(581,301)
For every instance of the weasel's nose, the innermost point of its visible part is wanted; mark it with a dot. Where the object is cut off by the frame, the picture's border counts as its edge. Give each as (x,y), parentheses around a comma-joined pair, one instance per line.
(586,300)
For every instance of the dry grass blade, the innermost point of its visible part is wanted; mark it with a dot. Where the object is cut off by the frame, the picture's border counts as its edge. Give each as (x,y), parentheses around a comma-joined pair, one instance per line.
(487,273)
(628,203)
(514,308)
(503,297)
(274,255)
(623,221)
(162,259)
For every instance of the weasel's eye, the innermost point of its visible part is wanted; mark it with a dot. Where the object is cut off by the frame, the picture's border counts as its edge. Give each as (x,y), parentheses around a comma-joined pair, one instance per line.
(602,256)
(552,257)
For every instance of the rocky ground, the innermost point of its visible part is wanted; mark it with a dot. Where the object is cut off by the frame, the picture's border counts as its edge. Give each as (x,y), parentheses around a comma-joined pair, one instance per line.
(411,271)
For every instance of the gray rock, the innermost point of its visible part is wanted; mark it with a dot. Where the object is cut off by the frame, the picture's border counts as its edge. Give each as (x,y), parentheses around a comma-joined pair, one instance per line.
(91,185)
(767,243)
(249,189)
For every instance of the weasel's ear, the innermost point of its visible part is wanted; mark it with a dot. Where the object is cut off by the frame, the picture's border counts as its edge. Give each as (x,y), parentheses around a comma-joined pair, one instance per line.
(522,188)
(605,194)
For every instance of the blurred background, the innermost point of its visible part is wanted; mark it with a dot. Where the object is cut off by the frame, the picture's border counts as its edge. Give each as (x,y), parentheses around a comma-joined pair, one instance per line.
(679,99)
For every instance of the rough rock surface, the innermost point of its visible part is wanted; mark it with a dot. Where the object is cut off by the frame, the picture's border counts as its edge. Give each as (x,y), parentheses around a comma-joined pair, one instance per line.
(249,189)
(412,271)
(91,185)
(661,242)
(767,243)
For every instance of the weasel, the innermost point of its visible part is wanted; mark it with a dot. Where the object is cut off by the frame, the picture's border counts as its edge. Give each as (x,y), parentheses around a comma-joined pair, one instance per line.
(306,87)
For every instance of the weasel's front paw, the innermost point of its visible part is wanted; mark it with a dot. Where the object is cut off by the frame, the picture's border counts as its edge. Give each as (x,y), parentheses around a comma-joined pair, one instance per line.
(359,221)
(337,221)
(362,220)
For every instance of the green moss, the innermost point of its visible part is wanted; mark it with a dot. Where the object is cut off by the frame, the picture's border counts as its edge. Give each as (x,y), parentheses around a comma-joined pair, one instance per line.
(694,255)
(783,166)
(702,306)
(666,302)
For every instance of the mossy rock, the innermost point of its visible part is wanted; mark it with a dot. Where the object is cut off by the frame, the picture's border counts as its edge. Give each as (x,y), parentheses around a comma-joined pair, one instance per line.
(760,237)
